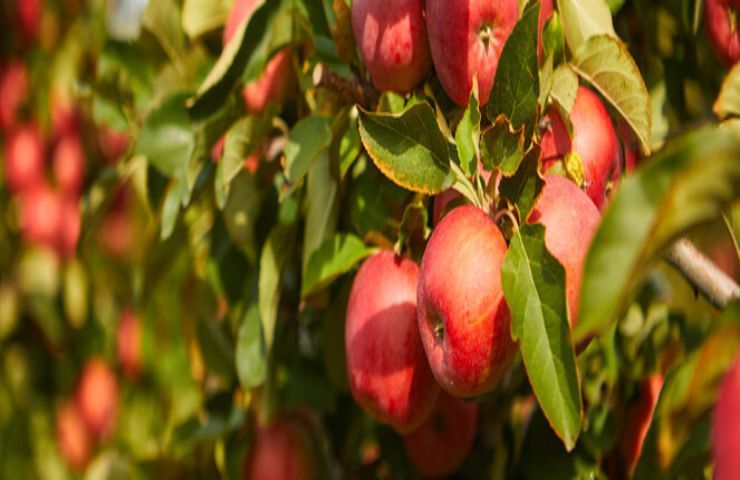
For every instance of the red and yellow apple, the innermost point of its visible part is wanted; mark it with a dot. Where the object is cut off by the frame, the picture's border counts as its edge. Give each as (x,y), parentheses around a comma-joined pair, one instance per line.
(725,426)
(24,158)
(69,164)
(722,20)
(128,343)
(73,438)
(97,397)
(40,215)
(281,451)
(13,91)
(639,416)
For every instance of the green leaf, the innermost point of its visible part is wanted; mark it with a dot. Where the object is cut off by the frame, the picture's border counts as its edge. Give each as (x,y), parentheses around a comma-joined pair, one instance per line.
(534,288)
(335,256)
(201,16)
(413,232)
(583,19)
(167,138)
(502,147)
(564,88)
(728,101)
(251,362)
(408,148)
(308,140)
(467,137)
(523,189)
(321,207)
(687,184)
(517,83)
(605,63)
(241,212)
(275,255)
(162,18)
(216,347)
(553,37)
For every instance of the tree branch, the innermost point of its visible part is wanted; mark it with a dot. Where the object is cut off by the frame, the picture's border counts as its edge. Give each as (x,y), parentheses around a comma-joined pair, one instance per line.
(351,90)
(702,273)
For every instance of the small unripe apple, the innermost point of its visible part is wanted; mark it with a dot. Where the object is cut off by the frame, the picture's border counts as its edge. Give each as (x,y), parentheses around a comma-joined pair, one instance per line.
(722,20)
(13,91)
(73,438)
(281,451)
(391,36)
(594,140)
(570,219)
(638,419)
(69,164)
(40,215)
(725,427)
(466,38)
(387,370)
(97,397)
(128,342)
(441,444)
(24,158)
(463,318)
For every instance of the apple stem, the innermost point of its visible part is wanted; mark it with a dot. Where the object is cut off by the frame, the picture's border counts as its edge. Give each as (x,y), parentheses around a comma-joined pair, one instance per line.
(464,186)
(351,89)
(702,273)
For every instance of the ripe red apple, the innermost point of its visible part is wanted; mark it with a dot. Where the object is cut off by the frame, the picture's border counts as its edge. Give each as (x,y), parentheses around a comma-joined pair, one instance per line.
(439,446)
(69,225)
(128,342)
(281,451)
(594,140)
(24,158)
(466,38)
(463,318)
(638,419)
(13,91)
(570,220)
(73,438)
(97,397)
(273,85)
(392,39)
(387,370)
(69,164)
(40,214)
(29,19)
(725,427)
(723,27)
(113,144)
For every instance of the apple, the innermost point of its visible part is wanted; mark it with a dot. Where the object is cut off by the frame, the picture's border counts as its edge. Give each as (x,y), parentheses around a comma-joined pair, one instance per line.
(594,140)
(463,318)
(97,397)
(69,164)
(274,84)
(113,144)
(29,19)
(24,158)
(450,198)
(73,438)
(439,446)
(570,219)
(128,342)
(281,451)
(387,370)
(725,428)
(13,91)
(638,418)
(466,38)
(723,27)
(392,40)
(69,225)
(631,148)
(40,214)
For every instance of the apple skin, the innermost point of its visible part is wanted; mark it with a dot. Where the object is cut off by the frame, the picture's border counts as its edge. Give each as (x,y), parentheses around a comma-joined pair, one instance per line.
(460,293)
(281,451)
(13,91)
(24,158)
(29,19)
(638,419)
(570,219)
(97,397)
(113,144)
(69,225)
(69,164)
(441,444)
(458,51)
(274,84)
(40,214)
(594,140)
(73,438)
(392,40)
(725,429)
(128,343)
(724,39)
(387,370)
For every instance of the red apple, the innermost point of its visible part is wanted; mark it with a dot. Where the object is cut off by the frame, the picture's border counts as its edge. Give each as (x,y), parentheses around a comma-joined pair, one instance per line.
(69,225)
(463,318)
(638,419)
(128,342)
(273,85)
(570,220)
(281,451)
(466,38)
(97,397)
(24,158)
(113,144)
(725,427)
(73,438)
(594,140)
(632,155)
(13,91)
(69,164)
(439,446)
(392,39)
(40,215)
(723,27)
(29,19)
(387,370)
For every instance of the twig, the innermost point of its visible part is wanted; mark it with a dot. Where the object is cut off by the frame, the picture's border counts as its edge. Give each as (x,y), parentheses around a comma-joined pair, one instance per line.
(702,273)
(351,89)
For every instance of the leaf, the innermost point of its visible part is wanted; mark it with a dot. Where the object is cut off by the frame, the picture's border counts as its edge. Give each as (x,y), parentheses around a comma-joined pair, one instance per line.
(335,256)
(216,347)
(162,18)
(502,147)
(275,256)
(342,31)
(534,288)
(728,101)
(605,63)
(408,148)
(583,19)
(321,207)
(564,88)
(413,232)
(251,361)
(241,212)
(517,83)
(685,185)
(308,139)
(467,136)
(553,38)
(201,16)
(523,189)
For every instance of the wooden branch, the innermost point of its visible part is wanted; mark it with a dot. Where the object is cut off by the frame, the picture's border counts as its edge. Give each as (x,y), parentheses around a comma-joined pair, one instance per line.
(702,273)
(350,89)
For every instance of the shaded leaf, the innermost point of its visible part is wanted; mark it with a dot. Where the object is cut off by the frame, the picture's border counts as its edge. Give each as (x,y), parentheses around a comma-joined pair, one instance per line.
(502,147)
(251,362)
(308,140)
(241,212)
(467,137)
(523,189)
(275,255)
(336,255)
(321,207)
